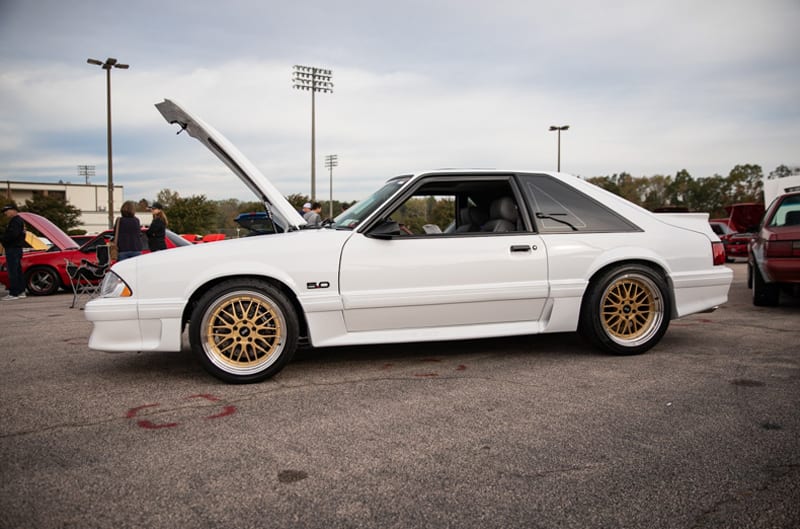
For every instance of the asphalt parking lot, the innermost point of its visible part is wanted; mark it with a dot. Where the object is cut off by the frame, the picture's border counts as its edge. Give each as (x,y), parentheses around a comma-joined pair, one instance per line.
(541,431)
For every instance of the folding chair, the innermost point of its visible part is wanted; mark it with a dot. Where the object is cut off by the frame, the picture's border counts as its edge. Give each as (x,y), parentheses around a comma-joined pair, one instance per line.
(86,278)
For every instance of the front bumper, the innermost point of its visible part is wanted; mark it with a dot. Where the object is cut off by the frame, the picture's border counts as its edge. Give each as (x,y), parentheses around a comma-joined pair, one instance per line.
(125,324)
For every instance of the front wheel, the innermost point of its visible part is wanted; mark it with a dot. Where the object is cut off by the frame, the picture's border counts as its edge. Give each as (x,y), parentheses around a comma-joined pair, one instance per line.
(42,281)
(243,331)
(626,310)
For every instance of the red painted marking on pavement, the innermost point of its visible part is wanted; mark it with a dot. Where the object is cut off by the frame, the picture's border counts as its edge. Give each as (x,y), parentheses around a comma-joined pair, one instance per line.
(150,425)
(227,410)
(133,411)
(387,366)
(461,367)
(153,426)
(206,396)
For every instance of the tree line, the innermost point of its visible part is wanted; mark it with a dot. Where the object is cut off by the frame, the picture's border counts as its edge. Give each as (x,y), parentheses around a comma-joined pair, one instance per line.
(198,214)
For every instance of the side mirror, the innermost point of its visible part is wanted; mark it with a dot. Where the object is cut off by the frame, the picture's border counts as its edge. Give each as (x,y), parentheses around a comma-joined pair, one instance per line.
(385,230)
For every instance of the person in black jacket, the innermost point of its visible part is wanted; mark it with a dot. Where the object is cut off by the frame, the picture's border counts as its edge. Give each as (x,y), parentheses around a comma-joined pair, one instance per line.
(13,241)
(157,231)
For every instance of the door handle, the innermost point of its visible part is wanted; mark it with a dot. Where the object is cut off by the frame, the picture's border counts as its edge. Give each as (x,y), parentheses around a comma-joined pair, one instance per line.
(520,248)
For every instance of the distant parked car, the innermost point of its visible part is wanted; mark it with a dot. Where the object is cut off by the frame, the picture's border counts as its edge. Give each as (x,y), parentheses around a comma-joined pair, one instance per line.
(259,223)
(46,271)
(735,244)
(82,239)
(774,260)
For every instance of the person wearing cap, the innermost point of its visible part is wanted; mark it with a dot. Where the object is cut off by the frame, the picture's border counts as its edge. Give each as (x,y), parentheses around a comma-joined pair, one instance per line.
(306,209)
(13,241)
(313,217)
(157,230)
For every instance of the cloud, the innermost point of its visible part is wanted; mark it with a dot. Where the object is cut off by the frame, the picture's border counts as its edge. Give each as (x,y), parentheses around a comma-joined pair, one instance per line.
(647,88)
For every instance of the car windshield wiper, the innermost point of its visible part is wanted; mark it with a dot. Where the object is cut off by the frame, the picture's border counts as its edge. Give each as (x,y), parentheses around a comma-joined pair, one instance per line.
(552,216)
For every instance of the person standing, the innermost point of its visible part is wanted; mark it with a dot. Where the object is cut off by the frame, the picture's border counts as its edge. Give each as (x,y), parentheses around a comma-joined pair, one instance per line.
(13,241)
(157,231)
(128,232)
(313,217)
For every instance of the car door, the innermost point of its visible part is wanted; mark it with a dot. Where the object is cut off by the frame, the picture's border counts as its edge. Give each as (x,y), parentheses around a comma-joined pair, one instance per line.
(441,279)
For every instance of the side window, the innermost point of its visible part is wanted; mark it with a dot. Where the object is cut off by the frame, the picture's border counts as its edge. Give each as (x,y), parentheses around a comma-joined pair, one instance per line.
(559,208)
(425,213)
(453,205)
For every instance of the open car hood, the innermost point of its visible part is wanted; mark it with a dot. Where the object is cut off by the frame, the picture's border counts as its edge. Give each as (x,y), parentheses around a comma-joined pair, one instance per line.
(55,234)
(233,158)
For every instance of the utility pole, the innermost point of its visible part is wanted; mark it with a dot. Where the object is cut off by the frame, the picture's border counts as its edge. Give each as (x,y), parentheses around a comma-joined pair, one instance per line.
(86,171)
(331,161)
(559,129)
(316,80)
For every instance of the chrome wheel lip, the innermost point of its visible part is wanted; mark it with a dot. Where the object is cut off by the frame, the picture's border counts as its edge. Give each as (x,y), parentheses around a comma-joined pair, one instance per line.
(631,310)
(254,310)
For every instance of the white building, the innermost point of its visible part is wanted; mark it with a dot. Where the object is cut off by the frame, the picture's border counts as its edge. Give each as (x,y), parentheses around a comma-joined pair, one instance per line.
(91,199)
(774,187)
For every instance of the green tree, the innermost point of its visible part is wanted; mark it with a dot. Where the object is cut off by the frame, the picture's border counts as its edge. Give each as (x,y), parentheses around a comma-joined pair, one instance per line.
(195,214)
(745,183)
(709,195)
(297,200)
(167,198)
(780,172)
(680,189)
(657,192)
(56,209)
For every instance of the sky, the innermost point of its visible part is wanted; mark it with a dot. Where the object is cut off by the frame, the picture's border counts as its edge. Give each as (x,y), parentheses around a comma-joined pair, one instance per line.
(647,87)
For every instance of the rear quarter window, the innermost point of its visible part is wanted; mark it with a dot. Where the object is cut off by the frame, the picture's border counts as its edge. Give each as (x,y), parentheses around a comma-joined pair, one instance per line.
(559,208)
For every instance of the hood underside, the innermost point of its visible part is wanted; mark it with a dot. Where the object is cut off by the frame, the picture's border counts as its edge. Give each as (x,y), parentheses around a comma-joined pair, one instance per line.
(233,158)
(49,230)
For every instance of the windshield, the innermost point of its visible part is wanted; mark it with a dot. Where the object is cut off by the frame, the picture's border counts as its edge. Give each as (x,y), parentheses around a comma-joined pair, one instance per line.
(352,216)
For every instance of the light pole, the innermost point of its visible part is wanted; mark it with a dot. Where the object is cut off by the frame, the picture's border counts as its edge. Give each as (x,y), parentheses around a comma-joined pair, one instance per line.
(110,63)
(316,80)
(331,161)
(559,129)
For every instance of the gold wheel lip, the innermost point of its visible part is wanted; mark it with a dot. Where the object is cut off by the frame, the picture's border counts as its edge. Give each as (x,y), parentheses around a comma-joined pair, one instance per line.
(265,305)
(639,313)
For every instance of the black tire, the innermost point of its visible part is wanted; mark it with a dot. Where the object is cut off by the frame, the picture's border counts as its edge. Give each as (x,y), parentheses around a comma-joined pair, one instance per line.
(764,294)
(243,331)
(626,310)
(42,281)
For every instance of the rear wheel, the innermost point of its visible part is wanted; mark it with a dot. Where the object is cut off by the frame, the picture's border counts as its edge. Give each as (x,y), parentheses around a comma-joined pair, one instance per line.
(764,294)
(243,331)
(42,281)
(626,310)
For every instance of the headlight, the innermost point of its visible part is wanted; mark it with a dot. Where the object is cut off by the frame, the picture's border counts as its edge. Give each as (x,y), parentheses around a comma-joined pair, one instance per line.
(114,287)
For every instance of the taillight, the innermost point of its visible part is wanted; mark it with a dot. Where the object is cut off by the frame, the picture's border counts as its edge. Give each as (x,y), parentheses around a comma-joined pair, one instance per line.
(718,249)
(782,248)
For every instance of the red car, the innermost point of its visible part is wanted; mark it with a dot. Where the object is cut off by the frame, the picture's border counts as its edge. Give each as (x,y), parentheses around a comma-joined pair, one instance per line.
(46,271)
(774,261)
